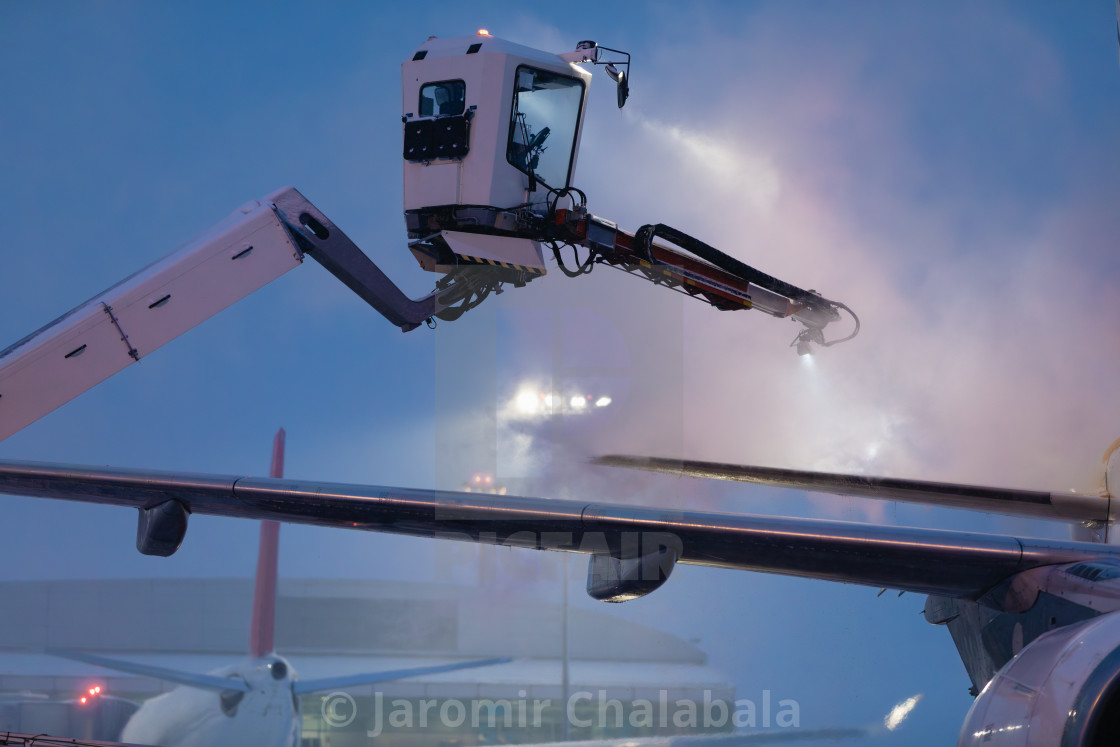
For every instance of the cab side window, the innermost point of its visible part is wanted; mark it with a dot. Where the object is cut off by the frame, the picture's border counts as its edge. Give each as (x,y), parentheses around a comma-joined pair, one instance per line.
(447,98)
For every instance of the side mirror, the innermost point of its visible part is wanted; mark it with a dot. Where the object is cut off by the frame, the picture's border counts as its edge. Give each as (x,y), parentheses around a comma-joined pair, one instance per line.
(619,77)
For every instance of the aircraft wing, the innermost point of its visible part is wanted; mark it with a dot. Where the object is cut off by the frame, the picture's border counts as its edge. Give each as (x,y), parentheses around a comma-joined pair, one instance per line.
(928,561)
(1067,506)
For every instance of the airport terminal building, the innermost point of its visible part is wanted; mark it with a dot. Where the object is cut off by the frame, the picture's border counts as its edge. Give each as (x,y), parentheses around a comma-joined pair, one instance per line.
(624,678)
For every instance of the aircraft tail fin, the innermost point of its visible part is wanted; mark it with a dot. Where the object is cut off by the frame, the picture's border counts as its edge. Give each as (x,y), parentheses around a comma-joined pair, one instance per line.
(261,633)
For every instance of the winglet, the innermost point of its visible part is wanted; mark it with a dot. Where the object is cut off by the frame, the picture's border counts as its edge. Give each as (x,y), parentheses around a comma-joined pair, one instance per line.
(261,634)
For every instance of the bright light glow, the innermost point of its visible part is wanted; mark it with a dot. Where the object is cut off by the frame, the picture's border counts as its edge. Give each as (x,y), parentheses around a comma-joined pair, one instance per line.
(808,362)
(478,478)
(899,713)
(533,401)
(97,689)
(489,479)
(83,699)
(483,32)
(527,403)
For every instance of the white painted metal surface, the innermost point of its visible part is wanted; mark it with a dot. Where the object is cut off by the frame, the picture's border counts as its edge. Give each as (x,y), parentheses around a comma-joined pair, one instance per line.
(152,307)
(501,249)
(483,176)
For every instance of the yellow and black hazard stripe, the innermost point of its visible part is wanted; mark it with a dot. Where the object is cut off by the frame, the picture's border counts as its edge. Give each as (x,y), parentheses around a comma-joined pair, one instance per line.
(507,265)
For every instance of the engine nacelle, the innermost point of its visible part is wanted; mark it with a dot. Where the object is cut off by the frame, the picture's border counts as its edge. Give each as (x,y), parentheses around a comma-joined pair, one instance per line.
(1062,689)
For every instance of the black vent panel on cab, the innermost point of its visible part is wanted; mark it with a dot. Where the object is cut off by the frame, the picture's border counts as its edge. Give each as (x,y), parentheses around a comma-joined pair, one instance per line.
(450,137)
(428,139)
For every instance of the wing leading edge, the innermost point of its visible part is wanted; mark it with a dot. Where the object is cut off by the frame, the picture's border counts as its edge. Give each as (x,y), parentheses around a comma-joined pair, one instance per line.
(1065,506)
(927,561)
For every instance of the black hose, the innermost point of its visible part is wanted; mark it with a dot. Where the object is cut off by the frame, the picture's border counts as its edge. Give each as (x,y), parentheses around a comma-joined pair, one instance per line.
(583,268)
(855,331)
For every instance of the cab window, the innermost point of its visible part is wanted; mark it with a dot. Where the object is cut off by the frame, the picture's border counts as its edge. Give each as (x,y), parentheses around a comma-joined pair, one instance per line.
(542,130)
(446,98)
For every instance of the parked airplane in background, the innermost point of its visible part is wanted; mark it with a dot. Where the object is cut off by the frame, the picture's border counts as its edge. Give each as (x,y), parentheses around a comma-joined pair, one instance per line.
(255,701)
(1037,621)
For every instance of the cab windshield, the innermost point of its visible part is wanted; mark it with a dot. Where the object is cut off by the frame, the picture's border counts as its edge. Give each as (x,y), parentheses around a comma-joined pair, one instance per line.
(542,133)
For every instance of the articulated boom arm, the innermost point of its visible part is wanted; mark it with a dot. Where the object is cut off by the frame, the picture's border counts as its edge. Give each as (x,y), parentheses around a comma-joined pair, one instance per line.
(503,246)
(718,278)
(264,239)
(256,244)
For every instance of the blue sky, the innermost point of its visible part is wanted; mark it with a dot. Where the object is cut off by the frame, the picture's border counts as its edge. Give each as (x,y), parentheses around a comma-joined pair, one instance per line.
(948,171)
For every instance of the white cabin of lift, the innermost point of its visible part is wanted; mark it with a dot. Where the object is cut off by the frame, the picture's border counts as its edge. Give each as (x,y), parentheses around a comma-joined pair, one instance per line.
(490,123)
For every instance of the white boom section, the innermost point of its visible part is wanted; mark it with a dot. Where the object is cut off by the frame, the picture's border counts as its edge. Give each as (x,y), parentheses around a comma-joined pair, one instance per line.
(256,244)
(97,339)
